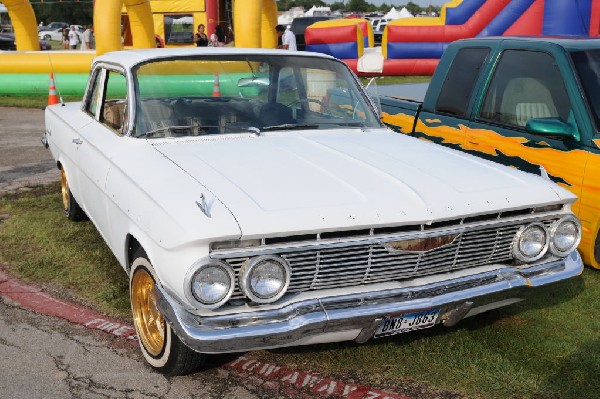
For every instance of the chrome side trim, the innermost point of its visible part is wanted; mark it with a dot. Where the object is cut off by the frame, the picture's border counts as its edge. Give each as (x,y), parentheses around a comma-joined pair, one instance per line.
(297,323)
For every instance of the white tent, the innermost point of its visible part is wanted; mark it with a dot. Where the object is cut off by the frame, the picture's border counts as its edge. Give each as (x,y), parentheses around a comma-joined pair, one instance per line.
(404,13)
(395,14)
(284,19)
(315,11)
(184,20)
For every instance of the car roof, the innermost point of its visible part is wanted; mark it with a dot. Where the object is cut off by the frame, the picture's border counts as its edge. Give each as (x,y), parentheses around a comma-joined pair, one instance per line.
(130,58)
(569,43)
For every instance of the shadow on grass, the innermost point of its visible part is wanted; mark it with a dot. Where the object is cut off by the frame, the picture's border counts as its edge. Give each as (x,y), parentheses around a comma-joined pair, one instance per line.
(578,377)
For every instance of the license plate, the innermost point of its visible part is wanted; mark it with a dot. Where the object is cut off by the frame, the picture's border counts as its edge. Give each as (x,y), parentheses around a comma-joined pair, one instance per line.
(407,322)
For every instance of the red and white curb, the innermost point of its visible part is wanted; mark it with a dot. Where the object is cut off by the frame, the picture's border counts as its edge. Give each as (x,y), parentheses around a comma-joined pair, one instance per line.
(296,383)
(302,384)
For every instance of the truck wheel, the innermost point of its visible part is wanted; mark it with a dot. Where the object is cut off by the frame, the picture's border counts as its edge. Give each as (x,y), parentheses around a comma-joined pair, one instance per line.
(71,208)
(161,348)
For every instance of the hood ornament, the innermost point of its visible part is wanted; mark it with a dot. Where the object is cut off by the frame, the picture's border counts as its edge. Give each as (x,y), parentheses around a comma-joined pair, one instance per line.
(544,174)
(203,205)
(420,245)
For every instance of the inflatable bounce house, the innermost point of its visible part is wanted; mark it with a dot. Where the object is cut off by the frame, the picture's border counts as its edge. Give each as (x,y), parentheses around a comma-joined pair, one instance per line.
(413,46)
(26,71)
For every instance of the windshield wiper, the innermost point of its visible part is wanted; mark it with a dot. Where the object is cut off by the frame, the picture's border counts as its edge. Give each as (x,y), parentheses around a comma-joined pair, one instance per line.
(176,131)
(349,124)
(288,126)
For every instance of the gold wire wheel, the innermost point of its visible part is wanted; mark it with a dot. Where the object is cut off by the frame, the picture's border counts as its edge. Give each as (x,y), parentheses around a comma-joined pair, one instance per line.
(149,322)
(64,189)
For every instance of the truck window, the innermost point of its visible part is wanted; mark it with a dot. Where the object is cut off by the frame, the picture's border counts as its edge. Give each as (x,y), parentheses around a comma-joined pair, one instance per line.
(587,65)
(526,84)
(457,88)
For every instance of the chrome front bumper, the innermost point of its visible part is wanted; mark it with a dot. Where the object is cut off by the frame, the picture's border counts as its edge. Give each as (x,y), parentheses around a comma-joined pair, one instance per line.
(357,316)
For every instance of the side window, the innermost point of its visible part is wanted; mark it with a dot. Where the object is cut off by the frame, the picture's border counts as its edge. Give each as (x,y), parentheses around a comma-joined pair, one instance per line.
(458,87)
(114,105)
(94,98)
(287,85)
(526,85)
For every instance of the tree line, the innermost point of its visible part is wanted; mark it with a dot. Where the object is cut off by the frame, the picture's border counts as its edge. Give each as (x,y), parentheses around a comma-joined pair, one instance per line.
(353,6)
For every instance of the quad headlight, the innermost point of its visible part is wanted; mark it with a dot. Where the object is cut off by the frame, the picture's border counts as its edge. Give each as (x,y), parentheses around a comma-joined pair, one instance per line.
(565,235)
(531,242)
(212,284)
(264,279)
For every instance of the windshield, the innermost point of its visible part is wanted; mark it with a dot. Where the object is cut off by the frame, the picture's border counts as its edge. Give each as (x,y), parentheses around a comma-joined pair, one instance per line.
(232,94)
(587,65)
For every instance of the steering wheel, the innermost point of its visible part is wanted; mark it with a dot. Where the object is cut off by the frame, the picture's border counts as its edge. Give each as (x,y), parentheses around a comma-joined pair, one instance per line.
(323,108)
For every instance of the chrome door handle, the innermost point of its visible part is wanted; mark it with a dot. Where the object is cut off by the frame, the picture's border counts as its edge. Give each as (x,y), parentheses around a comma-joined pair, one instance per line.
(77,141)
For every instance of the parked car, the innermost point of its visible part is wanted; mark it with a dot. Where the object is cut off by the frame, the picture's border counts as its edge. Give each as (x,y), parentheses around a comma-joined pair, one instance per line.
(54,26)
(57,35)
(379,25)
(249,213)
(524,102)
(54,35)
(8,43)
(299,26)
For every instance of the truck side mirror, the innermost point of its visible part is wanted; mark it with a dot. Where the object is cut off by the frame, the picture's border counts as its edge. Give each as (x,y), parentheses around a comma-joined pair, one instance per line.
(553,127)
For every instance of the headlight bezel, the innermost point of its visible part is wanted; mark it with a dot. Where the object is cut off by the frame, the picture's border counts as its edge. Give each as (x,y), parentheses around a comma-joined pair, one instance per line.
(552,231)
(516,251)
(245,275)
(189,281)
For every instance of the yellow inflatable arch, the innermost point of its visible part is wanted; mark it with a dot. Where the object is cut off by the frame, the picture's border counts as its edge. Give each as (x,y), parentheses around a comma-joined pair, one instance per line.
(254,23)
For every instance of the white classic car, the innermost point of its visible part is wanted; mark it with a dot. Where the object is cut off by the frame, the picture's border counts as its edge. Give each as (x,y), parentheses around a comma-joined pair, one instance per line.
(251,211)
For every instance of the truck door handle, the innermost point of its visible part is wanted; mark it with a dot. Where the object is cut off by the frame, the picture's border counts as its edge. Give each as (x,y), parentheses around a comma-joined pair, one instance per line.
(77,141)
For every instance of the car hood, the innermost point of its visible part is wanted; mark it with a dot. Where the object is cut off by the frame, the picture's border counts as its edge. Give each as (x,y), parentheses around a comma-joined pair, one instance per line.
(291,182)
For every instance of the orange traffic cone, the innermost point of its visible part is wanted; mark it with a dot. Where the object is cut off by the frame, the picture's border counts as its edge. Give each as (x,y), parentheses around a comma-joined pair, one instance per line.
(52,97)
(216,86)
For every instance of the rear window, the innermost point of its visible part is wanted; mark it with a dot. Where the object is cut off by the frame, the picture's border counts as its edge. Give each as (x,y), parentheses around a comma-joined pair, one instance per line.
(587,65)
(458,86)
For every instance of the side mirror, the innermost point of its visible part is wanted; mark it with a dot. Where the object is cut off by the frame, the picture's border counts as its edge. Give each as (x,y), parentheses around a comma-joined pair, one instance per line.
(553,127)
(254,82)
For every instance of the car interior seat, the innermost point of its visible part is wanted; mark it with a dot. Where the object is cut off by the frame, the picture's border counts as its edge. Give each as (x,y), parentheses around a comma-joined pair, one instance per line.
(525,98)
(114,114)
(273,114)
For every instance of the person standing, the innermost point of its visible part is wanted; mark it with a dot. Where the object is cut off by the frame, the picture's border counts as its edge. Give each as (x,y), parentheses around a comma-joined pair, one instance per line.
(86,38)
(217,39)
(73,38)
(65,38)
(288,39)
(200,37)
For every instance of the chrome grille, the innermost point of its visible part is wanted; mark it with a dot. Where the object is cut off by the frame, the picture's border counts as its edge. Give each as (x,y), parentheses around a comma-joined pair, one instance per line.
(364,264)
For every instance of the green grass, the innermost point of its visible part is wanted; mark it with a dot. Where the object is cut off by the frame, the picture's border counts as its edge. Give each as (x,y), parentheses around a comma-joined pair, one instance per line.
(41,245)
(31,101)
(547,348)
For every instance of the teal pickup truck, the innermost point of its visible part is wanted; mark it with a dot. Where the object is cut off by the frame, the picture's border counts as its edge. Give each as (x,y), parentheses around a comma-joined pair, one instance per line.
(530,103)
